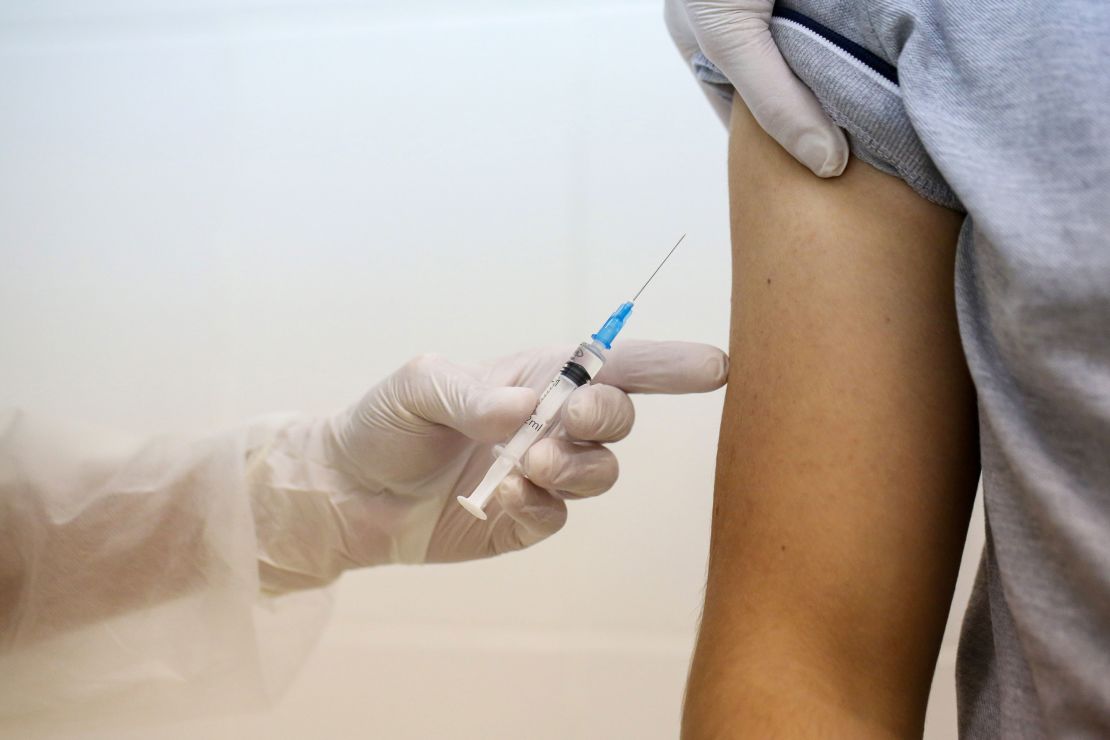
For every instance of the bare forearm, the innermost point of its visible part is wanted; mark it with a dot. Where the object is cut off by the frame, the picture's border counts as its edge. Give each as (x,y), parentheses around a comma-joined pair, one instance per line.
(847,459)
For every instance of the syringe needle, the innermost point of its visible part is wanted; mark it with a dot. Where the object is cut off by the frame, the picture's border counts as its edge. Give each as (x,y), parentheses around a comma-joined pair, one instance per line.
(641,290)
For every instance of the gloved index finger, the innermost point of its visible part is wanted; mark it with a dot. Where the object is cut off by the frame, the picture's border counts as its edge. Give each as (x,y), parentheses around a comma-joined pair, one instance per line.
(640,366)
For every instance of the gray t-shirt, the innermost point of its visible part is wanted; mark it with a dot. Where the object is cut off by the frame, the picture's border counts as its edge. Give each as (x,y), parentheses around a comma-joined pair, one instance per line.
(1002,109)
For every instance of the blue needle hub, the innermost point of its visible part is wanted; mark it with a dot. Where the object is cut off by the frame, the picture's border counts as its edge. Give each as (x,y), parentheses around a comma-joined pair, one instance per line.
(613,325)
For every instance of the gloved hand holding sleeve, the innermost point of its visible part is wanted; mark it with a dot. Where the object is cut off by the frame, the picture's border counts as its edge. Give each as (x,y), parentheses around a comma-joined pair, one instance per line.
(735,35)
(377,483)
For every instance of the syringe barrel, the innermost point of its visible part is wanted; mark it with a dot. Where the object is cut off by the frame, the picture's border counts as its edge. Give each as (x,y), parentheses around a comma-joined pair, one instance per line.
(582,367)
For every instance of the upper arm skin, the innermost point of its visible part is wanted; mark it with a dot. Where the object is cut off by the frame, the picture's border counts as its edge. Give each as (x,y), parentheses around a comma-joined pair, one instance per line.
(848,456)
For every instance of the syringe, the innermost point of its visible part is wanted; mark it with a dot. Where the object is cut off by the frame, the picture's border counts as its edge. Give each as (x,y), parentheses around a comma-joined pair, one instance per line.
(581,368)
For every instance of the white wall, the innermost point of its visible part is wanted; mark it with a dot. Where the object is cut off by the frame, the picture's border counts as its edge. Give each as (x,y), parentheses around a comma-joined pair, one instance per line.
(210,210)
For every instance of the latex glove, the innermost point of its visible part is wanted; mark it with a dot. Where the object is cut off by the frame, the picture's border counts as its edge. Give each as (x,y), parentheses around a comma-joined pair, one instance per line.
(735,35)
(377,483)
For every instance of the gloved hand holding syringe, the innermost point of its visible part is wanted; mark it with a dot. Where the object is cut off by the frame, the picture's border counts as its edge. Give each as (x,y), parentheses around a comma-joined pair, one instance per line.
(581,368)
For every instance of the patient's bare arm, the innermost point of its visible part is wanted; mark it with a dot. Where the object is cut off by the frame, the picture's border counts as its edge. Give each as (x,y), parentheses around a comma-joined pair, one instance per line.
(848,456)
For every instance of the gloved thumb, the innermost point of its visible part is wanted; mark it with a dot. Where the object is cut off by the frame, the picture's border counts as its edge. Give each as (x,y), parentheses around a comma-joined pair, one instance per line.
(441,392)
(736,37)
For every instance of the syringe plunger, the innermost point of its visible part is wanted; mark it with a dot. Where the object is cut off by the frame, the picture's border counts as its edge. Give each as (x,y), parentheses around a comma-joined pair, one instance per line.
(476,502)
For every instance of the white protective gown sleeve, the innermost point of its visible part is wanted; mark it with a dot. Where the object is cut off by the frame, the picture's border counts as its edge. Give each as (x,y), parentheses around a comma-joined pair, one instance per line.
(160,578)
(129,586)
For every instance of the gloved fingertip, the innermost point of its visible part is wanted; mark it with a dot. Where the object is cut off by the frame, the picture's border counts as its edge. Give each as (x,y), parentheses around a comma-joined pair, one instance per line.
(835,164)
(704,373)
(824,153)
(716,369)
